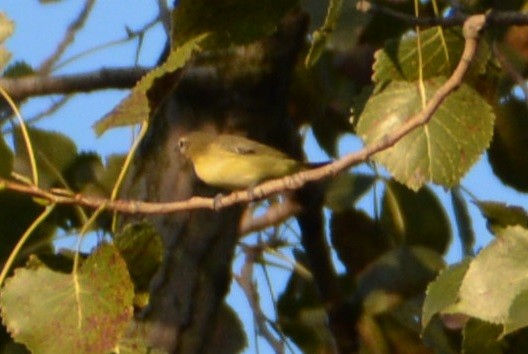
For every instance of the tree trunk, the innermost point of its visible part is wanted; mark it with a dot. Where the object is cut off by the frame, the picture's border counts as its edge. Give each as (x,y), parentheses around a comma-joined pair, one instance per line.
(243,91)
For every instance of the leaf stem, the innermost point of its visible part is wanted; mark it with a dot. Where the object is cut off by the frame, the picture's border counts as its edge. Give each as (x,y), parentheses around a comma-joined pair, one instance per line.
(124,169)
(25,134)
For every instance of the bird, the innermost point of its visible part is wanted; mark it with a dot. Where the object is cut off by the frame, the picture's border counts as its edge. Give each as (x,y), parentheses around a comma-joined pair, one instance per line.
(233,162)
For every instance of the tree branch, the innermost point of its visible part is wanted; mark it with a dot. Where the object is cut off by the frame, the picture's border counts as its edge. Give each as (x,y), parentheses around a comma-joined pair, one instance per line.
(471,32)
(509,18)
(274,215)
(373,8)
(120,78)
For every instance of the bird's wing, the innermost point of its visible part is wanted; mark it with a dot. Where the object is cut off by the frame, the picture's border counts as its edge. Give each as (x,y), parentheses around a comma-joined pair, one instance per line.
(245,149)
(238,146)
(243,146)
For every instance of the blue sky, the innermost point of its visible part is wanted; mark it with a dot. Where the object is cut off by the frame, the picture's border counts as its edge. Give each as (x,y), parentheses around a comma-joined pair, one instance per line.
(40,27)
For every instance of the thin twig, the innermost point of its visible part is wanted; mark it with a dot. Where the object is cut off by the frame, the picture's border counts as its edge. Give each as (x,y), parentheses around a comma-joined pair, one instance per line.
(54,107)
(131,35)
(245,280)
(73,28)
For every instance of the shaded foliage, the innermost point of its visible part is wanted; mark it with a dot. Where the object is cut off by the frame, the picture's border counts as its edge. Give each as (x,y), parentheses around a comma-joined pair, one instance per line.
(230,66)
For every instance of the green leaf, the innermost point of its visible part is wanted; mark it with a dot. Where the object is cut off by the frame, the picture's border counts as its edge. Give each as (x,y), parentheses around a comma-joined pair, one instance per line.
(228,22)
(344,190)
(393,336)
(18,69)
(141,247)
(302,317)
(495,278)
(102,179)
(320,36)
(463,221)
(442,150)
(481,337)
(53,153)
(507,153)
(147,96)
(6,159)
(85,169)
(86,174)
(443,291)
(378,342)
(437,336)
(6,29)
(113,166)
(92,309)
(415,218)
(357,239)
(500,215)
(406,271)
(441,50)
(5,56)
(518,313)
(229,332)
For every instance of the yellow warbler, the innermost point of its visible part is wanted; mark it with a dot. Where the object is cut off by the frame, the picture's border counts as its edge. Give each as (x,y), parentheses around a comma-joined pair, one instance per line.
(234,162)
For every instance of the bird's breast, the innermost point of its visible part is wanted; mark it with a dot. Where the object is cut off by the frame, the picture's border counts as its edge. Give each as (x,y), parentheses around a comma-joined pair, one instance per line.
(235,172)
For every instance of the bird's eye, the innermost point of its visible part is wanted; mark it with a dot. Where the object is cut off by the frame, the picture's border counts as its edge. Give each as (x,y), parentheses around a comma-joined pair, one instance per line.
(182,144)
